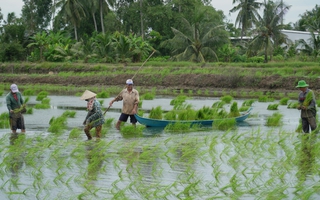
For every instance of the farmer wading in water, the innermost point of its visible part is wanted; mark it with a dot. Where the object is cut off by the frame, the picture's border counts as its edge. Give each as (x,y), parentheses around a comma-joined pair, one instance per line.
(94,118)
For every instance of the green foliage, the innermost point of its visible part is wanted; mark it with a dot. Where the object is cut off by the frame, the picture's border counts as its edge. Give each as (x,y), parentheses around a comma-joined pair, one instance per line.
(4,120)
(69,113)
(273,106)
(224,124)
(274,120)
(248,102)
(103,94)
(264,98)
(293,105)
(41,95)
(57,125)
(108,122)
(156,113)
(218,104)
(28,92)
(284,101)
(179,100)
(45,104)
(234,111)
(148,96)
(171,115)
(226,98)
(132,130)
(75,133)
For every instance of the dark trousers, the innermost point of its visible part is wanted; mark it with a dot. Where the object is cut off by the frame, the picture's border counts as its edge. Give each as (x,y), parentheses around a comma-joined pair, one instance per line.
(307,123)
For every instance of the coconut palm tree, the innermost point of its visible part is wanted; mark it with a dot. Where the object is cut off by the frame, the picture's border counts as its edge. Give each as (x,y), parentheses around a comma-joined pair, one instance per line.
(248,14)
(73,11)
(312,47)
(268,28)
(197,40)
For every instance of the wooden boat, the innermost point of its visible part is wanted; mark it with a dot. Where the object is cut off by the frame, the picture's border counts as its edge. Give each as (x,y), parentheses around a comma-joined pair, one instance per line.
(163,123)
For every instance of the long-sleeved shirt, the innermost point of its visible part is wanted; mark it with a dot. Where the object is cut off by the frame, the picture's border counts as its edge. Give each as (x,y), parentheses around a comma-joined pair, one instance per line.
(311,108)
(12,103)
(130,99)
(95,115)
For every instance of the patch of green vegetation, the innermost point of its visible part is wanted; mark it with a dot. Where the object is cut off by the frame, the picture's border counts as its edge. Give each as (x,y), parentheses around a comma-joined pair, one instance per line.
(273,106)
(274,120)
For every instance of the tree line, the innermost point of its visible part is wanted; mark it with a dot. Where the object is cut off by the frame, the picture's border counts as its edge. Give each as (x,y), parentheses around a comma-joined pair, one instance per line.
(125,31)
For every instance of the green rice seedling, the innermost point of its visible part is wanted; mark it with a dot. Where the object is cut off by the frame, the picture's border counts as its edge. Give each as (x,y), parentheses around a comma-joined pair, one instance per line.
(45,104)
(148,96)
(156,113)
(28,92)
(206,92)
(318,102)
(218,104)
(101,102)
(199,92)
(178,127)
(29,111)
(273,106)
(57,125)
(215,93)
(69,113)
(224,124)
(292,95)
(248,102)
(4,120)
(178,100)
(190,92)
(227,99)
(140,112)
(108,122)
(103,94)
(234,111)
(263,98)
(171,115)
(42,95)
(75,133)
(243,108)
(284,101)
(132,130)
(140,103)
(1,93)
(188,114)
(293,105)
(274,120)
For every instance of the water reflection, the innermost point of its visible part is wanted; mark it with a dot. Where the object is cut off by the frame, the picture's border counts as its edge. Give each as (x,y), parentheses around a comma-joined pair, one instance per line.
(306,156)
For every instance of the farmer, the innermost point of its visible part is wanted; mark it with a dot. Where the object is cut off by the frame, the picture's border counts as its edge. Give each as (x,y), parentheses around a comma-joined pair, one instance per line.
(307,105)
(15,104)
(94,117)
(130,99)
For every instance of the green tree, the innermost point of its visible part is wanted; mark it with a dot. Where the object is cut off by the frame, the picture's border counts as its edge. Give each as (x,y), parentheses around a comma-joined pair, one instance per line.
(311,47)
(248,14)
(310,20)
(36,14)
(72,11)
(199,39)
(268,28)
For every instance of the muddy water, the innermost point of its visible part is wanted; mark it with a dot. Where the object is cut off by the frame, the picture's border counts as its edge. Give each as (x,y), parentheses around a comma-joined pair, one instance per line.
(253,161)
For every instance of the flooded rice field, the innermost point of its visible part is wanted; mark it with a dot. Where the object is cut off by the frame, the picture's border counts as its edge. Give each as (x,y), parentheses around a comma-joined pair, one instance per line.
(254,161)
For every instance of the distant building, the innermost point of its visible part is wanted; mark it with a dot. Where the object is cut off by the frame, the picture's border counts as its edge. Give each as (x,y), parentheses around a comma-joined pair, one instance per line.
(293,36)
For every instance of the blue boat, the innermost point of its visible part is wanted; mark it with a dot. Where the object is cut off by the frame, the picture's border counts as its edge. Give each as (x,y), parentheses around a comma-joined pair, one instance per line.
(163,123)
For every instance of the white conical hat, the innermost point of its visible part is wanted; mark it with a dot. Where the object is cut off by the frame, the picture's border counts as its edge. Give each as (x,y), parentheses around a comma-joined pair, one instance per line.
(87,95)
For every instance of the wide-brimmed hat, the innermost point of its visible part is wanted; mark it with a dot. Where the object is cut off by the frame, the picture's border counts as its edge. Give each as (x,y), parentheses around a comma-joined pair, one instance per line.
(14,88)
(302,84)
(129,82)
(87,95)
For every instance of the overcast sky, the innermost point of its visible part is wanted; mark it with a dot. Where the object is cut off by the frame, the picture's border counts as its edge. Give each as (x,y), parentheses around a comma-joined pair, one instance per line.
(297,7)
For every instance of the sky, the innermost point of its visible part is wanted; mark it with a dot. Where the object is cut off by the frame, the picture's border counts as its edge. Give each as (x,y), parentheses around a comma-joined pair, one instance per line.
(297,7)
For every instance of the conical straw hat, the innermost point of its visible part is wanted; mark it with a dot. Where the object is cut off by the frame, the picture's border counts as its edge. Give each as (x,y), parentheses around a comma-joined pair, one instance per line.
(87,95)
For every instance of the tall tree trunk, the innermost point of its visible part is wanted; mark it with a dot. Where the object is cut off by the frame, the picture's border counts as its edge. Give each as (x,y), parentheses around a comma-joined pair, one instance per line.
(141,20)
(266,52)
(95,22)
(101,17)
(75,32)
